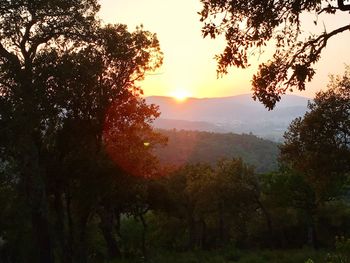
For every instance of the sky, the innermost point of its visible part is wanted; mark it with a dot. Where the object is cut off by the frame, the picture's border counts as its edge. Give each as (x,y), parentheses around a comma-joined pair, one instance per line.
(189,66)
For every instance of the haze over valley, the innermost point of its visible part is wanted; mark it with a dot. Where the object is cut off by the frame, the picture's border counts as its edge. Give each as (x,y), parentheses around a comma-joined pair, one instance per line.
(237,114)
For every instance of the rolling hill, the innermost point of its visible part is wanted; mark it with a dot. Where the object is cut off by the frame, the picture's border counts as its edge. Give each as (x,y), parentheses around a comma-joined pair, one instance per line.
(195,146)
(238,114)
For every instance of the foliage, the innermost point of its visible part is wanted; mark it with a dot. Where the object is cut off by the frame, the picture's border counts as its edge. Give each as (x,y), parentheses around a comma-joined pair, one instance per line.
(72,122)
(212,206)
(249,26)
(317,146)
(195,146)
(322,136)
(342,251)
(242,256)
(29,29)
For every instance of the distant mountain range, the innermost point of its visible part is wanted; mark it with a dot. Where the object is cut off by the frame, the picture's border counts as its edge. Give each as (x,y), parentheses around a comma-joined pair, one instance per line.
(237,114)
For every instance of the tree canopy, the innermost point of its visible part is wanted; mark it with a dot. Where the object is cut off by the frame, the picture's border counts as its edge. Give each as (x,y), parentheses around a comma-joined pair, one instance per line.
(69,110)
(249,26)
(318,145)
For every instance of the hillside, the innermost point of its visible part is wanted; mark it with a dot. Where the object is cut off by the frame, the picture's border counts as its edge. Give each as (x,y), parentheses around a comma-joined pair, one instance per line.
(195,146)
(238,114)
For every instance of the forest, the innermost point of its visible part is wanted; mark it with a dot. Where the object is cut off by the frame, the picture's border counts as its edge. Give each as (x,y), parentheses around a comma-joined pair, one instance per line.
(190,147)
(84,176)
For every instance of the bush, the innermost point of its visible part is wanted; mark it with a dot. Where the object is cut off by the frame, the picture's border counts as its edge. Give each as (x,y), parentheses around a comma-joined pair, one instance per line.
(342,251)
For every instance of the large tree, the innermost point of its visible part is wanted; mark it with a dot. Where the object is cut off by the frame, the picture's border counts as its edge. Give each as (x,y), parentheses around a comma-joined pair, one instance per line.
(106,131)
(29,28)
(318,145)
(251,25)
(67,92)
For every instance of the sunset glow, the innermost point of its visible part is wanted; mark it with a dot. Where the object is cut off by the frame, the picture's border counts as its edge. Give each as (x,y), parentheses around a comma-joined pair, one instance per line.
(180,95)
(189,57)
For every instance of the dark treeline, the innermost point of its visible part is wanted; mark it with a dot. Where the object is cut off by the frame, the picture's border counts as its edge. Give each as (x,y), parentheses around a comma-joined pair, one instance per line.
(79,178)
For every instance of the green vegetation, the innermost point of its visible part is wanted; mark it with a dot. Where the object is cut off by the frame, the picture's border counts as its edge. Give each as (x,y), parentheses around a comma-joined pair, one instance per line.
(234,255)
(195,146)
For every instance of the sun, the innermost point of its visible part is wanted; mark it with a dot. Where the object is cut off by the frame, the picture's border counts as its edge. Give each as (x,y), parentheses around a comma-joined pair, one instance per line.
(180,95)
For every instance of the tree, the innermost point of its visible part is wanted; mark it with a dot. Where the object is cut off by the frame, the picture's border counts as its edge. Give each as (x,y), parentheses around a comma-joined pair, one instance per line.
(290,204)
(250,25)
(213,206)
(102,131)
(61,73)
(318,145)
(236,198)
(28,28)
(187,194)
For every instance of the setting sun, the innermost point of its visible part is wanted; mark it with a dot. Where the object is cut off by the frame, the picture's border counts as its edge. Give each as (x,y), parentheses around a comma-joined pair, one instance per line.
(180,95)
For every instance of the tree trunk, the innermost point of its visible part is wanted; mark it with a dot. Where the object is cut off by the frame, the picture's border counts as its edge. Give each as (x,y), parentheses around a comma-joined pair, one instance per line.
(268,223)
(221,226)
(144,232)
(203,237)
(191,232)
(107,227)
(312,236)
(59,224)
(28,148)
(117,223)
(41,230)
(37,200)
(70,241)
(311,231)
(82,246)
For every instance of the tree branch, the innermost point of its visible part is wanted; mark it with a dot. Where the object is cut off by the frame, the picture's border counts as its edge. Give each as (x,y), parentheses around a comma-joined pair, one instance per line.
(317,45)
(342,6)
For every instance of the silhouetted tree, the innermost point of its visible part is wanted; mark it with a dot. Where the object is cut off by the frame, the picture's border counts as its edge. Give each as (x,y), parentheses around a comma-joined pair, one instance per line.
(28,28)
(104,131)
(67,97)
(318,145)
(249,25)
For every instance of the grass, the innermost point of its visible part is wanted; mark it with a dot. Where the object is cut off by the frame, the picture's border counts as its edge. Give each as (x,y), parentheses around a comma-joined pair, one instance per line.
(235,256)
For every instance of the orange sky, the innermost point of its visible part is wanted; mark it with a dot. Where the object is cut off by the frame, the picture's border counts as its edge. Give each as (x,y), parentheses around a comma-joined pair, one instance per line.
(188,58)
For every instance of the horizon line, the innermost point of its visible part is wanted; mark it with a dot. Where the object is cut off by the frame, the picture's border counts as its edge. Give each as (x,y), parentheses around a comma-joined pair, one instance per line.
(218,97)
